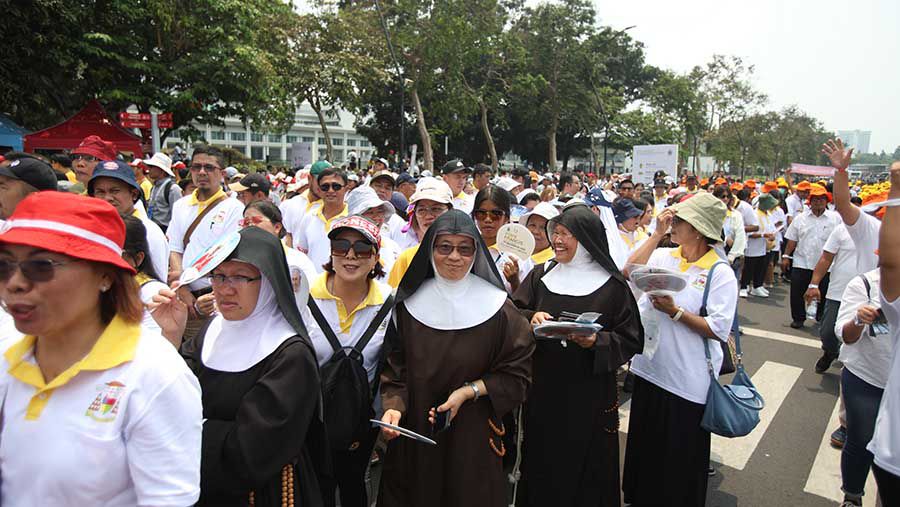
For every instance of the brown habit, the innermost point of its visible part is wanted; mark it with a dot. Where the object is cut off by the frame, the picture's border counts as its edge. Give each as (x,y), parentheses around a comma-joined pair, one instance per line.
(423,366)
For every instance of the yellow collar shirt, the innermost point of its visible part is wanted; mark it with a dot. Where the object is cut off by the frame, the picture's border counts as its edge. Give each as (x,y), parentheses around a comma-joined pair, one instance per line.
(311,236)
(102,432)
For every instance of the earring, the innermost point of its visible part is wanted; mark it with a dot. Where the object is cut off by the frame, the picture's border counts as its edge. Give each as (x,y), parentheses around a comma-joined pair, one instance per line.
(104,288)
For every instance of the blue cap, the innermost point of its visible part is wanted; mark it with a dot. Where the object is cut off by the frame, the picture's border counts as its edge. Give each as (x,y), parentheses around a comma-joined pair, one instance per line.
(116,169)
(623,209)
(596,198)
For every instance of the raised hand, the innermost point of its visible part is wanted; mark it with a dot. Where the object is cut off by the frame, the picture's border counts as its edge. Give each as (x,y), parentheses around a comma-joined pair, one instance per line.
(838,155)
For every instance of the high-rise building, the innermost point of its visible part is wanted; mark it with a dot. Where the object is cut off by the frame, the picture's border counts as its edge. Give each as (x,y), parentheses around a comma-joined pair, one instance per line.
(856,139)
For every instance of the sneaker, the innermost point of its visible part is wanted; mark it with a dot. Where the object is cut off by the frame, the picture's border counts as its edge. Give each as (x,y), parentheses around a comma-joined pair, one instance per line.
(797,325)
(838,438)
(743,293)
(849,502)
(824,362)
(711,472)
(759,292)
(765,291)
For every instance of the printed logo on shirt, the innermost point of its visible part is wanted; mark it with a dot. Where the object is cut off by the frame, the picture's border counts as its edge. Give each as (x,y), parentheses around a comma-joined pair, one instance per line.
(700,282)
(219,218)
(105,406)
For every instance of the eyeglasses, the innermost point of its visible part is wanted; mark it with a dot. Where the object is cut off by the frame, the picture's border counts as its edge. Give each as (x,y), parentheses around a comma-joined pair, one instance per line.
(328,187)
(86,158)
(35,270)
(204,167)
(362,249)
(481,214)
(236,281)
(464,249)
(251,221)
(434,211)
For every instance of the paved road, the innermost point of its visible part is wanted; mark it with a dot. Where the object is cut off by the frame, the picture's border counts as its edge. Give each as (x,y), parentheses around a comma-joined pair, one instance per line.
(787,459)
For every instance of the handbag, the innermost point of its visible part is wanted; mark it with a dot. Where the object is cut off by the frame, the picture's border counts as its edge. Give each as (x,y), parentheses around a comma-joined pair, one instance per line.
(731,410)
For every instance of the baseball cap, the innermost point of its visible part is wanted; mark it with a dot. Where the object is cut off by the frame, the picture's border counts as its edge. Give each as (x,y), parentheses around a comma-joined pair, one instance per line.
(36,173)
(405,178)
(386,175)
(623,209)
(432,189)
(359,224)
(454,166)
(596,198)
(317,168)
(659,182)
(255,182)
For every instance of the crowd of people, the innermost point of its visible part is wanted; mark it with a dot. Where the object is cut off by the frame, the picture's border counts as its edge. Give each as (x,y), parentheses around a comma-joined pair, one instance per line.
(351,295)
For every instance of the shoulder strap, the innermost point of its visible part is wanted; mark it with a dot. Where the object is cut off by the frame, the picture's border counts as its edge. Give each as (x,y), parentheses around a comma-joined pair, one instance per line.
(373,326)
(166,189)
(868,287)
(196,222)
(324,325)
(703,313)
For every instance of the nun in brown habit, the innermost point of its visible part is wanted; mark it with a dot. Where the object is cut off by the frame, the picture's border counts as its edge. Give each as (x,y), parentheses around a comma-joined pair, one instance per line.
(571,448)
(456,344)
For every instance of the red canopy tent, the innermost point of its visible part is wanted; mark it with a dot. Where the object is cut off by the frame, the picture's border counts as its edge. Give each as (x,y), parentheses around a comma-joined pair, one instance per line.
(92,120)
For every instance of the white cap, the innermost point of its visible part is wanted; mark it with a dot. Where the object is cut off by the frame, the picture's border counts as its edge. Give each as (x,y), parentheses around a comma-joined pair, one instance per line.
(521,195)
(432,189)
(508,184)
(544,209)
(162,161)
(364,198)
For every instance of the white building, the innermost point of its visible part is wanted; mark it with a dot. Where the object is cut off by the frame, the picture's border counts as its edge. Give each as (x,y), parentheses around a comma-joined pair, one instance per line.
(856,139)
(277,147)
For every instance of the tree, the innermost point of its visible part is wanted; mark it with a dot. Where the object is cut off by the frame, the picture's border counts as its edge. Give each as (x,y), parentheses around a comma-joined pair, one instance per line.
(340,56)
(204,61)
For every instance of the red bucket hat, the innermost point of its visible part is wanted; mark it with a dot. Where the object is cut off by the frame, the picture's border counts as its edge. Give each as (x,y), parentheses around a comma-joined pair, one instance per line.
(96,147)
(74,225)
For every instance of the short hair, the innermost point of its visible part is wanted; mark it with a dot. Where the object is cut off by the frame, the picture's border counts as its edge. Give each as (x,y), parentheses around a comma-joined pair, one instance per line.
(721,191)
(564,179)
(212,151)
(530,196)
(500,197)
(857,200)
(481,169)
(61,159)
(626,180)
(136,242)
(743,194)
(332,172)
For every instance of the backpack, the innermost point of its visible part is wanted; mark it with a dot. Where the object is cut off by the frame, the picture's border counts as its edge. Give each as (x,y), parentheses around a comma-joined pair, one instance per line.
(345,384)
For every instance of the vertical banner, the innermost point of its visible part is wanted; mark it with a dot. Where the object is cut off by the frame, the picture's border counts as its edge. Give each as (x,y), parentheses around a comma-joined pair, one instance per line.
(648,159)
(301,154)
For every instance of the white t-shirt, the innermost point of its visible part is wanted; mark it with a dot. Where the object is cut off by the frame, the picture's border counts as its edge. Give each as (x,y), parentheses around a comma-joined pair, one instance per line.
(311,236)
(215,224)
(810,232)
(158,246)
(679,363)
(388,254)
(464,202)
(864,234)
(756,247)
(392,224)
(779,220)
(122,436)
(885,444)
(869,358)
(406,239)
(748,214)
(843,268)
(148,290)
(293,210)
(734,229)
(378,292)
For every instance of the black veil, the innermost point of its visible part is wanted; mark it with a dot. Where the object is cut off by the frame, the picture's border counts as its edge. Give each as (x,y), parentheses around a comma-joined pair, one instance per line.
(590,232)
(421,269)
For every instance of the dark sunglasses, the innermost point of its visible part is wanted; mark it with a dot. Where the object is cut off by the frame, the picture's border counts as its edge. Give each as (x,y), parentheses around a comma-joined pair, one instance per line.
(481,214)
(36,270)
(328,187)
(362,249)
(447,249)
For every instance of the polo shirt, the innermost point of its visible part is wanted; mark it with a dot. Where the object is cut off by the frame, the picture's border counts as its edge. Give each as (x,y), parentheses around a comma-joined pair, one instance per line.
(756,247)
(795,206)
(843,267)
(121,427)
(149,288)
(311,235)
(401,265)
(146,186)
(679,363)
(406,239)
(294,209)
(747,213)
(395,223)
(810,232)
(349,325)
(217,223)
(158,245)
(542,256)
(869,358)
(464,202)
(865,237)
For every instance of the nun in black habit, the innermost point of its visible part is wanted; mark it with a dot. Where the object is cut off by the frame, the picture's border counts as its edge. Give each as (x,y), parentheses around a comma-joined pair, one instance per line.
(571,447)
(457,344)
(262,431)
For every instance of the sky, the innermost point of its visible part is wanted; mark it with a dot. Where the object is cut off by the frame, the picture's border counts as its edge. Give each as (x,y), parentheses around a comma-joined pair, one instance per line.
(838,61)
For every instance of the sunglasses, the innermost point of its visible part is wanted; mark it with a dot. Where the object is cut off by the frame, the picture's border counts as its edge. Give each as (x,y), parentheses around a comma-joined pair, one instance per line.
(362,249)
(481,214)
(204,167)
(464,250)
(250,221)
(328,187)
(36,270)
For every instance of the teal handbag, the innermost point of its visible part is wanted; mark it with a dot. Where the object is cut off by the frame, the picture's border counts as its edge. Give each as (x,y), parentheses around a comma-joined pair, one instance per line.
(731,410)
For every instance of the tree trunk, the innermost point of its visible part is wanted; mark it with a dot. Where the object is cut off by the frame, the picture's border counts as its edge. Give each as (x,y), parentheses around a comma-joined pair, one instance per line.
(427,154)
(551,143)
(487,135)
(329,150)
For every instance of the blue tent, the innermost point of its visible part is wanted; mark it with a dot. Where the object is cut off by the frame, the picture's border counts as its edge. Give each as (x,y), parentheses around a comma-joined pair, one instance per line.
(10,134)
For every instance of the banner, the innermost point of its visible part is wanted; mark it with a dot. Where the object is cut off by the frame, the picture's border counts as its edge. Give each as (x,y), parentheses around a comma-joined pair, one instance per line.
(301,154)
(646,160)
(812,170)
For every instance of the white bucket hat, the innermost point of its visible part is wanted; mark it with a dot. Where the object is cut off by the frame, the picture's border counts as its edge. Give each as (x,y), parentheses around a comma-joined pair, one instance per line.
(364,198)
(162,161)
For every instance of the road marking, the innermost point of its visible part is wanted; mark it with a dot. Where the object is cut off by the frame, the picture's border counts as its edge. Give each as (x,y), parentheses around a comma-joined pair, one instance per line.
(624,416)
(796,340)
(774,381)
(825,475)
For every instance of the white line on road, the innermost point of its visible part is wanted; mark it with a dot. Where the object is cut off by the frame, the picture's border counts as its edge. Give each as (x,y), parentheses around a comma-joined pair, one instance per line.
(825,475)
(774,381)
(796,340)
